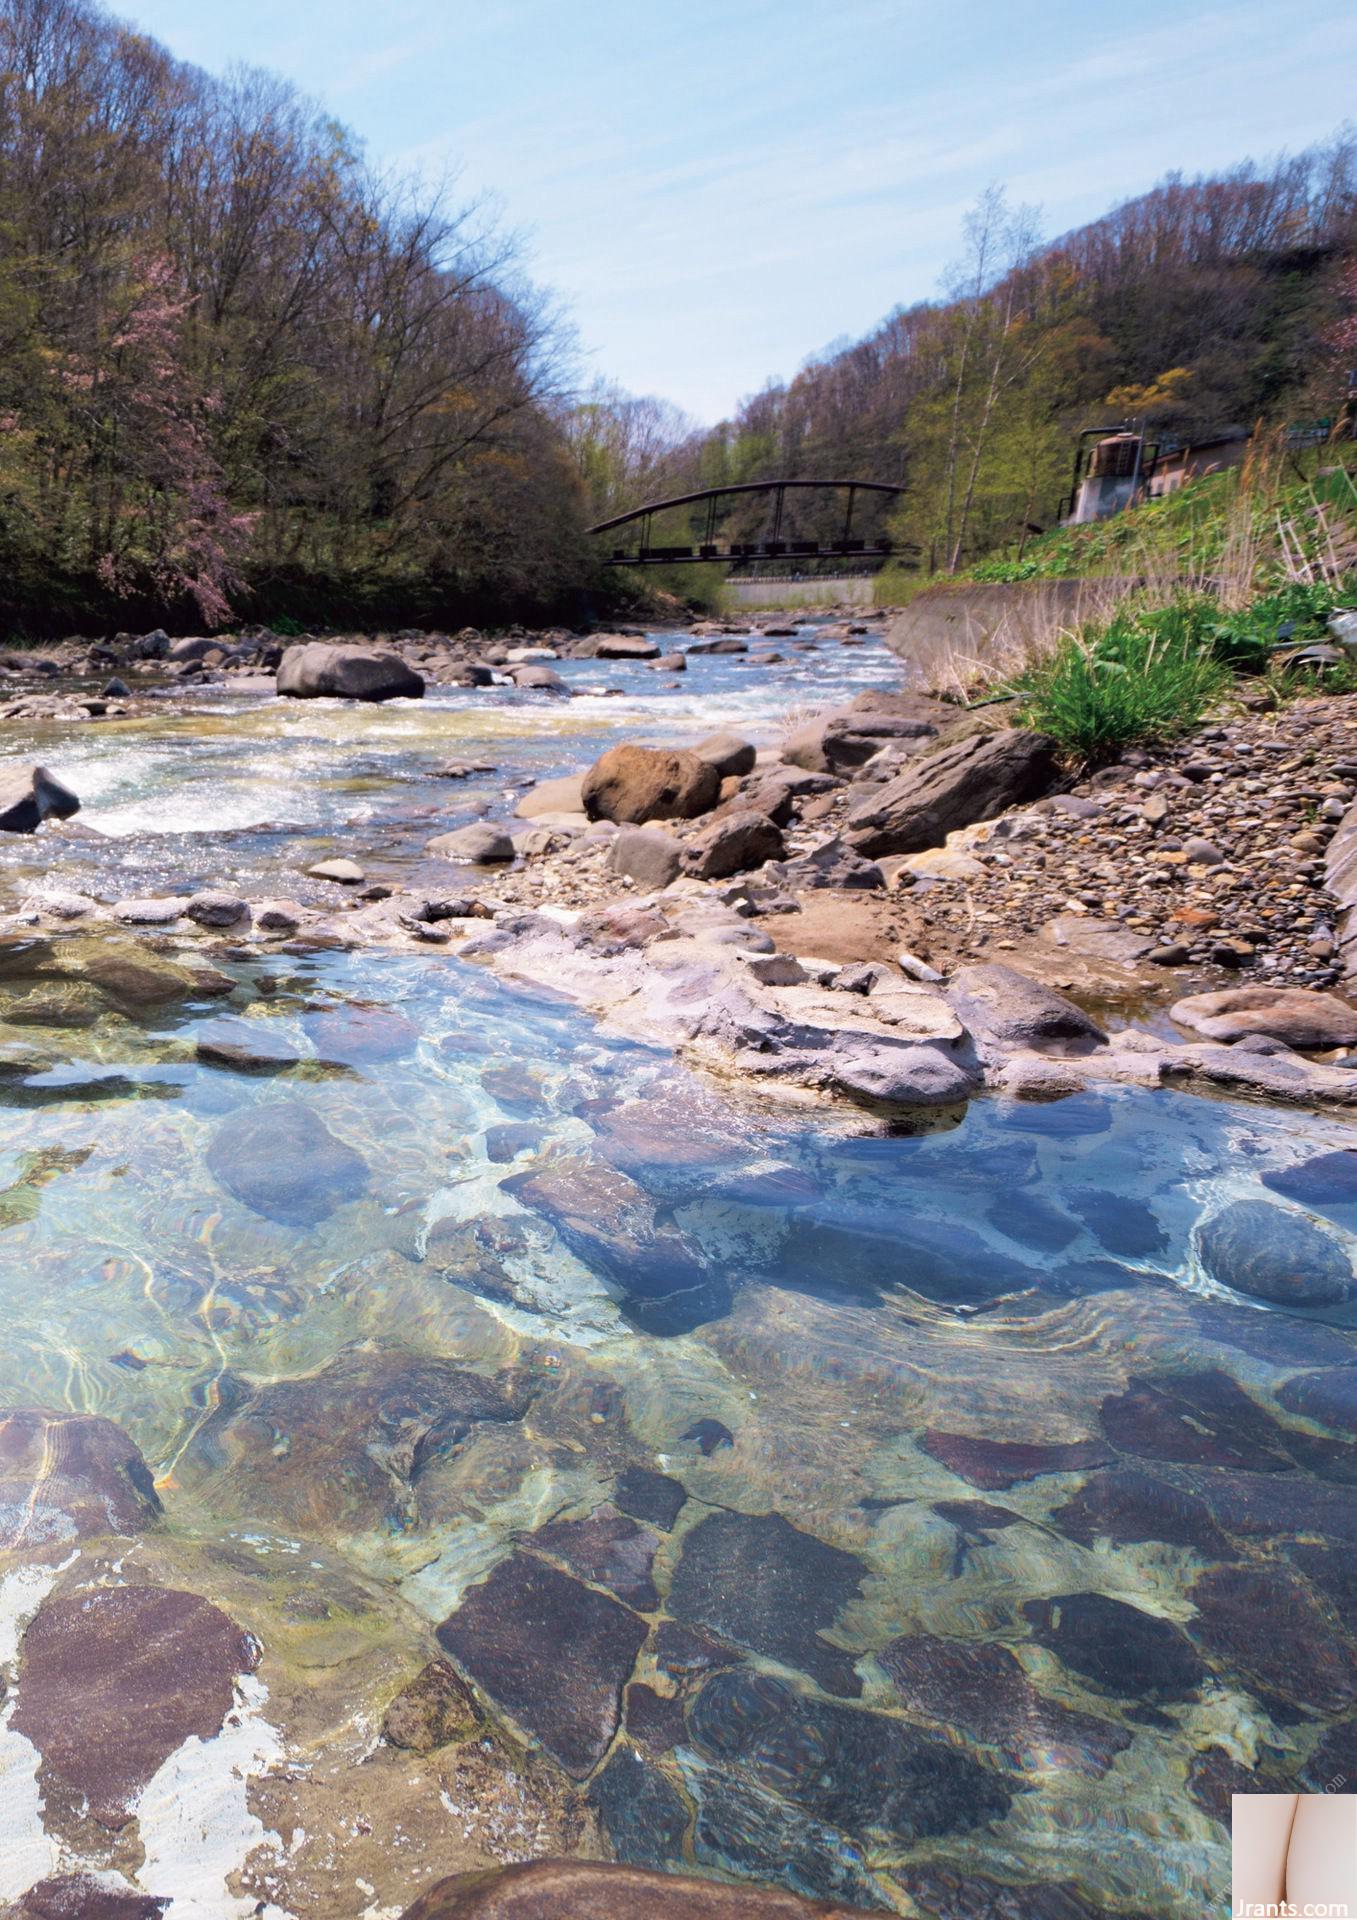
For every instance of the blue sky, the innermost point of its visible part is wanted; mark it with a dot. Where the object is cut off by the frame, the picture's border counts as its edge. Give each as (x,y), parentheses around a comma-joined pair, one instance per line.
(717,192)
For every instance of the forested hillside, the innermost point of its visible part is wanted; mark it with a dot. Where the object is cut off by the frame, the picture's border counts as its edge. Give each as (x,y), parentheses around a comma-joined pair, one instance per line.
(1200,306)
(238,369)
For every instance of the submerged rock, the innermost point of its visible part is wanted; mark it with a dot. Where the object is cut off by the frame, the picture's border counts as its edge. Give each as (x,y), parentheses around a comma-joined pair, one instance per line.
(30,795)
(644,1816)
(436,1708)
(69,1476)
(319,669)
(356,1035)
(982,1689)
(1327,1181)
(1118,1647)
(607,1549)
(1274,1253)
(762,1583)
(280,1159)
(113,1679)
(998,1464)
(1195,1419)
(76,1896)
(861,1772)
(654,1497)
(637,784)
(551,1651)
(1125,1505)
(1265,1623)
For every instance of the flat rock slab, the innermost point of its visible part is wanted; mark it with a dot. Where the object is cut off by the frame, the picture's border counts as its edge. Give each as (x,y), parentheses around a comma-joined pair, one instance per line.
(759,1581)
(607,1549)
(69,1476)
(280,1160)
(595,1890)
(982,1688)
(75,1896)
(1266,1624)
(998,1464)
(113,1680)
(970,779)
(1117,1647)
(552,1652)
(1296,1015)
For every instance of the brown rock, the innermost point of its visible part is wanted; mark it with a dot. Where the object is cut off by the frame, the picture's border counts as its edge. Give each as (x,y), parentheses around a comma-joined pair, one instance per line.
(635,784)
(597,1890)
(113,1680)
(733,845)
(69,1476)
(436,1708)
(1296,1015)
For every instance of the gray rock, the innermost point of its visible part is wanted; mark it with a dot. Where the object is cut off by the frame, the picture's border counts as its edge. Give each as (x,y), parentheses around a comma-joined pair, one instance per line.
(553,796)
(841,741)
(1005,1009)
(30,795)
(728,753)
(733,845)
(1275,1253)
(278,916)
(971,779)
(728,645)
(900,1074)
(279,1159)
(347,873)
(534,679)
(483,845)
(149,912)
(622,646)
(643,854)
(670,663)
(318,669)
(213,909)
(832,864)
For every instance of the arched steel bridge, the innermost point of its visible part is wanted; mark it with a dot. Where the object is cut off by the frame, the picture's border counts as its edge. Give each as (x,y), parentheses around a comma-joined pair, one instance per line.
(775,547)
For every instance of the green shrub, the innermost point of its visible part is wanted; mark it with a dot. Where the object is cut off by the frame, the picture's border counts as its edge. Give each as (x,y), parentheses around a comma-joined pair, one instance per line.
(1294,615)
(1140,676)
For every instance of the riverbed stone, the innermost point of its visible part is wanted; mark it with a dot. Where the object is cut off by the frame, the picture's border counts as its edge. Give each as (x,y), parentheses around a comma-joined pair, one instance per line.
(134,979)
(996,1465)
(552,1652)
(357,1035)
(1201,1418)
(345,872)
(1322,1183)
(610,1890)
(759,1581)
(608,1549)
(1118,1647)
(970,779)
(481,845)
(646,855)
(280,1159)
(733,844)
(1265,1624)
(113,1679)
(433,1710)
(67,1477)
(564,795)
(644,1817)
(318,669)
(1127,1505)
(1297,1015)
(728,753)
(30,795)
(1275,1253)
(656,1498)
(352,1447)
(981,1688)
(1000,1006)
(634,784)
(214,907)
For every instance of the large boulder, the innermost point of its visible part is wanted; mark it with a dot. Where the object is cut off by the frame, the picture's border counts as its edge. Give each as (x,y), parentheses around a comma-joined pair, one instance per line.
(635,784)
(602,1890)
(622,646)
(319,669)
(733,845)
(1274,1253)
(538,679)
(552,796)
(974,778)
(30,795)
(838,742)
(1007,1009)
(1295,1015)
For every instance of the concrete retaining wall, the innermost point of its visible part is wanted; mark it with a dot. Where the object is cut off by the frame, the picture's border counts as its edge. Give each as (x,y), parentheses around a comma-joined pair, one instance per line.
(853,590)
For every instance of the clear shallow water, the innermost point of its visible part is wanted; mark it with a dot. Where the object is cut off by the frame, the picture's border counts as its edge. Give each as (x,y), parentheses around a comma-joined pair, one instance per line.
(893,1517)
(931,1516)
